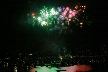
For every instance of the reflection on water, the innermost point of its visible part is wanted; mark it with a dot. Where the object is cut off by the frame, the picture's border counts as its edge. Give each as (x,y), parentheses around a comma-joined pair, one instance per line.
(61,69)
(75,68)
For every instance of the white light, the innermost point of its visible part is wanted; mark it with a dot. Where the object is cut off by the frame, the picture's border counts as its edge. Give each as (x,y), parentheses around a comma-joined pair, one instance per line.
(81,23)
(30,54)
(33,16)
(70,56)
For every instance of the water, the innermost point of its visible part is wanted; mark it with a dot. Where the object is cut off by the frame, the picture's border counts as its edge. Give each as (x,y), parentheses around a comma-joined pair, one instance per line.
(74,68)
(95,67)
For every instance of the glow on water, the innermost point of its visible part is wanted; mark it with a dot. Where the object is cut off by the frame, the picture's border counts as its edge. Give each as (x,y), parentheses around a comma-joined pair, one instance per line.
(68,69)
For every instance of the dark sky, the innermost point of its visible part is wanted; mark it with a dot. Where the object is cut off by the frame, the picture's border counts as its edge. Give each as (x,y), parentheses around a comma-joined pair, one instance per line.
(15,34)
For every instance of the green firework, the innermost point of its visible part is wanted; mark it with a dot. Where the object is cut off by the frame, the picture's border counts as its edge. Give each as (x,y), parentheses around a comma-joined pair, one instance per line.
(47,15)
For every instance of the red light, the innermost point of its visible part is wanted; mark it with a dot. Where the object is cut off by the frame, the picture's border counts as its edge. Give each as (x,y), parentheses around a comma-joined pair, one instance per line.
(33,13)
(76,6)
(85,6)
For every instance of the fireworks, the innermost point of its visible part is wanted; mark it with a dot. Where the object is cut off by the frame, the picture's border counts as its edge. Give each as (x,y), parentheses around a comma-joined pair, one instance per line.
(47,16)
(58,18)
(32,18)
(66,13)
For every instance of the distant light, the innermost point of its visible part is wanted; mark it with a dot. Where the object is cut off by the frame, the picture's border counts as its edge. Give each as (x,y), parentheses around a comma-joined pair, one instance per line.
(61,58)
(70,56)
(69,19)
(33,13)
(84,6)
(76,6)
(15,69)
(30,54)
(81,23)
(83,10)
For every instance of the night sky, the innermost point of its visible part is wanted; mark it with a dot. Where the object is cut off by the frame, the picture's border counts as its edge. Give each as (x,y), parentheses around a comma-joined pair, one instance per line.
(16,34)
